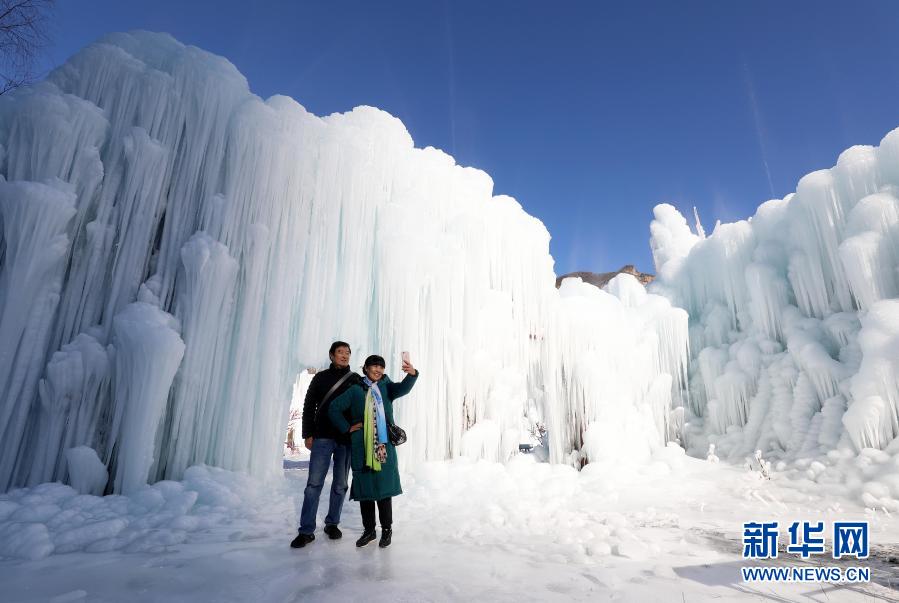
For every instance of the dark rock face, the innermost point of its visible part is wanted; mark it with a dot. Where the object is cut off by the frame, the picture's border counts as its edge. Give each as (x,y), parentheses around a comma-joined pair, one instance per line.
(600,279)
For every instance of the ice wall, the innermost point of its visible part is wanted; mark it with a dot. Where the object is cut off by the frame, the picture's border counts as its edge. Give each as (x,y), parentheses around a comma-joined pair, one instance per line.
(175,250)
(794,314)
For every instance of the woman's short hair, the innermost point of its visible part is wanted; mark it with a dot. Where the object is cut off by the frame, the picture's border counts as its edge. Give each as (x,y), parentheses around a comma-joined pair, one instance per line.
(374,360)
(339,344)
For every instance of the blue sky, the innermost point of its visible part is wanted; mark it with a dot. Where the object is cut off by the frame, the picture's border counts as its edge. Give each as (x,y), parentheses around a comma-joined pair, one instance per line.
(588,113)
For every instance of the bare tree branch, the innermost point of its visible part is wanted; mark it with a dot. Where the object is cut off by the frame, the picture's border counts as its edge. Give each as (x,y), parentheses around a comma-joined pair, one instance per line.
(23,35)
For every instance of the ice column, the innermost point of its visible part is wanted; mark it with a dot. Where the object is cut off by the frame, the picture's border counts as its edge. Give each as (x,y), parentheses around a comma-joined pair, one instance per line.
(35,218)
(148,352)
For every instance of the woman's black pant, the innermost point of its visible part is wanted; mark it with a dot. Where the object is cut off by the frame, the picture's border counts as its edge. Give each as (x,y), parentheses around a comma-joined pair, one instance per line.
(385,513)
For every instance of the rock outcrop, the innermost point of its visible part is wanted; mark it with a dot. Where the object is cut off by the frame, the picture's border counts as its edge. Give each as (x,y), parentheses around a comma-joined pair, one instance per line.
(600,279)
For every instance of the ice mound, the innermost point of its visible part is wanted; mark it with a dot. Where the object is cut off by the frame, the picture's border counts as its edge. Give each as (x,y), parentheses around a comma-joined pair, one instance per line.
(87,473)
(55,518)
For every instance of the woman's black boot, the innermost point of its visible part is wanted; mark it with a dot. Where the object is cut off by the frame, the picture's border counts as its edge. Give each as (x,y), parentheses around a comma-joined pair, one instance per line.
(386,533)
(367,536)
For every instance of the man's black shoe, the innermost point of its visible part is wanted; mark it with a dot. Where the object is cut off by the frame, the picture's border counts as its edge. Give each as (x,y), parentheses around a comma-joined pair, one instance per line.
(333,531)
(385,538)
(302,540)
(367,536)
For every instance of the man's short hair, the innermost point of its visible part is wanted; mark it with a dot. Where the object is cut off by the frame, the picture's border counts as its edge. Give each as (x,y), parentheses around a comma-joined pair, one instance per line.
(339,344)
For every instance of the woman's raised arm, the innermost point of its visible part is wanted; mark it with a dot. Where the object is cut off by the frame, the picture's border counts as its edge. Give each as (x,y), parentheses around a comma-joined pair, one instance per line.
(398,390)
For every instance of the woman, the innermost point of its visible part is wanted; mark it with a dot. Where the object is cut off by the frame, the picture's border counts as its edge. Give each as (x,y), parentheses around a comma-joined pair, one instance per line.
(376,477)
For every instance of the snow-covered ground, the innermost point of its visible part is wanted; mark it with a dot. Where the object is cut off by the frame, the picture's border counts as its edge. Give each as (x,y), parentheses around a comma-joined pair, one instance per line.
(669,530)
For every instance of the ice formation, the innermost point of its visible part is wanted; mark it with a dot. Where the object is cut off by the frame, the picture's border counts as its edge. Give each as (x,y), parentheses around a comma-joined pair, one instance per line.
(54,518)
(794,321)
(175,251)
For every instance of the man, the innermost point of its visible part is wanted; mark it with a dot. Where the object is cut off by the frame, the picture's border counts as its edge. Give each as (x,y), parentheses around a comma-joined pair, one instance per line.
(324,441)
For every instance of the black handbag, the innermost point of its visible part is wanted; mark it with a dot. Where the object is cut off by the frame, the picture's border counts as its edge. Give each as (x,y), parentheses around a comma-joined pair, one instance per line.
(396,434)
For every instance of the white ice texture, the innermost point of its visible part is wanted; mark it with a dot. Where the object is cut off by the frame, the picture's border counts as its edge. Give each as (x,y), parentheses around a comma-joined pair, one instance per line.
(174,251)
(54,518)
(794,321)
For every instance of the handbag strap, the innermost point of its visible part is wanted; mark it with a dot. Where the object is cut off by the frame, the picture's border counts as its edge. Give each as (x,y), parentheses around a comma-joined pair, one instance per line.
(331,391)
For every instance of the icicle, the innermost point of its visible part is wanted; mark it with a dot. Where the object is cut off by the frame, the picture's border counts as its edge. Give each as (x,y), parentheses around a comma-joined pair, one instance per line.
(768,297)
(700,231)
(34,218)
(872,419)
(870,252)
(148,352)
(72,396)
(204,302)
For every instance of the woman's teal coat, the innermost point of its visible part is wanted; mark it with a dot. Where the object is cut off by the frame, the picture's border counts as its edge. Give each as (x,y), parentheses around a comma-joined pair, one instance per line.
(368,484)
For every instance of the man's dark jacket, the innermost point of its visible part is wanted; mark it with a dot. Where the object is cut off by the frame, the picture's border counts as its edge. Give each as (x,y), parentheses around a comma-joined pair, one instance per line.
(316,423)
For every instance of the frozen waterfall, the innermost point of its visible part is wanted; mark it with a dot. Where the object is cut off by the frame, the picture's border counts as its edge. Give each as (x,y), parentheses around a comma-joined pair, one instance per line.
(175,250)
(794,321)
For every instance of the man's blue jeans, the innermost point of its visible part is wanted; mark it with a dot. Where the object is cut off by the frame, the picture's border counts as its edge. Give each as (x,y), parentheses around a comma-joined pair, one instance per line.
(319,461)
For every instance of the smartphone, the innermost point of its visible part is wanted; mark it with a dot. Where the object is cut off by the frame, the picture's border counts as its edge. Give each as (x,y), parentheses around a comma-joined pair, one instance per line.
(406,358)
